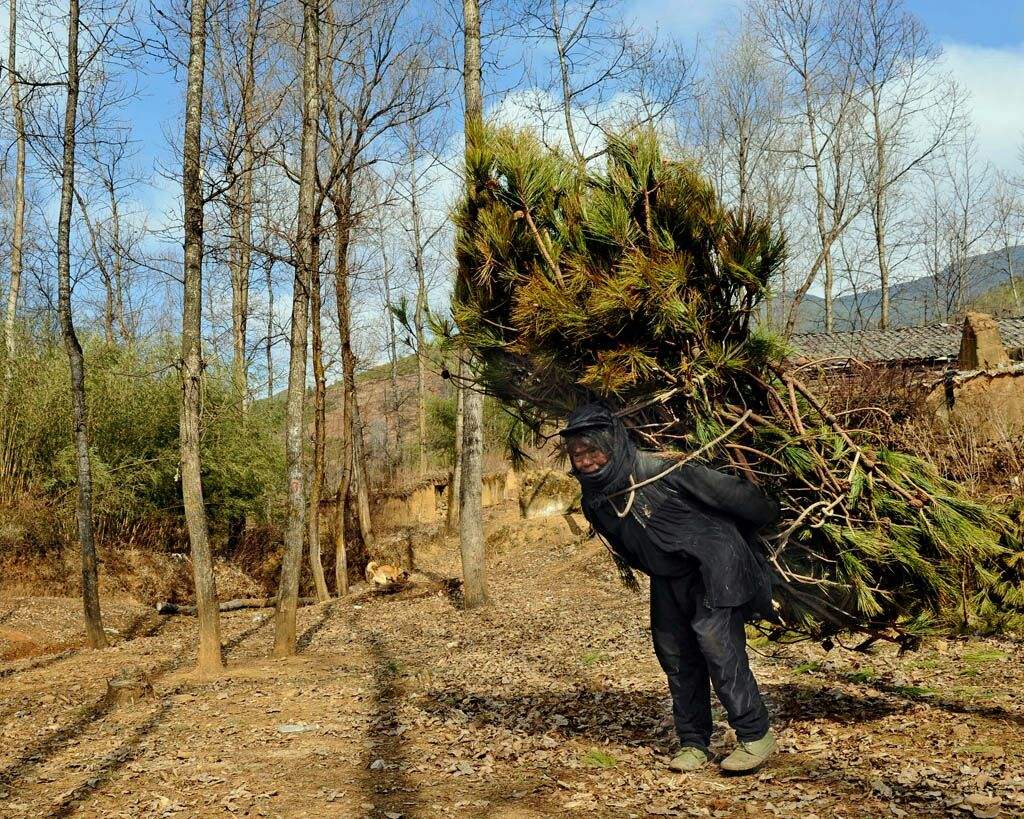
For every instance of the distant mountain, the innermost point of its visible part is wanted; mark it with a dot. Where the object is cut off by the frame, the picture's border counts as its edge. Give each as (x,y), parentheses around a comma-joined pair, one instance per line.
(912,302)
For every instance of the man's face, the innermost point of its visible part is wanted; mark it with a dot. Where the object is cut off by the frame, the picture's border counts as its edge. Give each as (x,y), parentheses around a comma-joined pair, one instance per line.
(586,458)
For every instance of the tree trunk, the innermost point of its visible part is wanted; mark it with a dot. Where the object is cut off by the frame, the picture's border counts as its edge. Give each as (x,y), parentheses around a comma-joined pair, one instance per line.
(90,584)
(819,202)
(316,486)
(291,564)
(269,349)
(878,211)
(124,322)
(240,264)
(164,607)
(241,227)
(419,321)
(340,550)
(471,533)
(100,257)
(210,656)
(18,227)
(358,478)
(395,406)
(455,484)
(117,263)
(471,527)
(473,17)
(108,308)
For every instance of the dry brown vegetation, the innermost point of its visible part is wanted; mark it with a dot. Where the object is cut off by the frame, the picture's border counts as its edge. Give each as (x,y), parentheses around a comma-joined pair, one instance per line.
(891,401)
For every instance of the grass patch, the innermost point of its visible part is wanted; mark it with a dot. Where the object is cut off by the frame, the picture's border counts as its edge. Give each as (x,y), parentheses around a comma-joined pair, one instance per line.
(974,693)
(864,675)
(990,751)
(596,758)
(983,656)
(809,667)
(914,691)
(593,657)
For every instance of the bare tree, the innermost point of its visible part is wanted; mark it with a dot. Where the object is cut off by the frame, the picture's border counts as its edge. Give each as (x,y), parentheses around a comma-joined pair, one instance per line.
(306,258)
(393,406)
(603,73)
(379,60)
(112,242)
(471,530)
(18,226)
(1008,205)
(911,110)
(422,157)
(244,98)
(90,584)
(419,319)
(954,222)
(210,656)
(804,37)
(740,119)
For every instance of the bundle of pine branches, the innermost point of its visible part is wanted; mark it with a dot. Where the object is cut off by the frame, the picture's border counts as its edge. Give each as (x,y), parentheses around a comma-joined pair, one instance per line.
(635,285)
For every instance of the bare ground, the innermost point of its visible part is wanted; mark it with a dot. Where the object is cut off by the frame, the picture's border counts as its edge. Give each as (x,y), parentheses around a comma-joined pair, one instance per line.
(549,702)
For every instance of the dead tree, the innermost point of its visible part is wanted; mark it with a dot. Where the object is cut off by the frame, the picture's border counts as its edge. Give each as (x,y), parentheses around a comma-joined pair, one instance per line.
(76,360)
(305,259)
(210,656)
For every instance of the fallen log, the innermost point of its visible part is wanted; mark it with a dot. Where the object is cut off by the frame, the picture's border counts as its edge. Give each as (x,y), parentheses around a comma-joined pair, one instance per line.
(165,607)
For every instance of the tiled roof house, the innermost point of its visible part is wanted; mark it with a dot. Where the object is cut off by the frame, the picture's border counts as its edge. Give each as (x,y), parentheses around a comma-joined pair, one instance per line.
(930,344)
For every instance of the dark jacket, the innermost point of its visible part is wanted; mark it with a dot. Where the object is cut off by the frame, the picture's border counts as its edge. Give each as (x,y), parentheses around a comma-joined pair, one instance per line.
(694,518)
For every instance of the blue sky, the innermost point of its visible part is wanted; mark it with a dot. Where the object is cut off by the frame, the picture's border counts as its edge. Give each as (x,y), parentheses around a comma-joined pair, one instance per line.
(983,40)
(990,23)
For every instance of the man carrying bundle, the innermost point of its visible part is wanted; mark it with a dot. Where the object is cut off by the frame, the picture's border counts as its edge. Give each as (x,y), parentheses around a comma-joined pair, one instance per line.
(687,528)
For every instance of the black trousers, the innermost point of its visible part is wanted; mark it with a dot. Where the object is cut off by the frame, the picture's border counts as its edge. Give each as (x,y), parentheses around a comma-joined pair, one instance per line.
(697,645)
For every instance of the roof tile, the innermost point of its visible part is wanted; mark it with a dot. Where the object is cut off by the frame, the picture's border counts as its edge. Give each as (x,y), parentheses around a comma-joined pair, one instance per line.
(933,342)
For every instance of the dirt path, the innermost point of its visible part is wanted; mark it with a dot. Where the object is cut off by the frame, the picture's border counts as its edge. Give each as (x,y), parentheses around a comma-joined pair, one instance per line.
(549,702)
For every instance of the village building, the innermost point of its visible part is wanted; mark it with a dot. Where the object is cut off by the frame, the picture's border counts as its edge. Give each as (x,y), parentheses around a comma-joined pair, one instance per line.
(971,373)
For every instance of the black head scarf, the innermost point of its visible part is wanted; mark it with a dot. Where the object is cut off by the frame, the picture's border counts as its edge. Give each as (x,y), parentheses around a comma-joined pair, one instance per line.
(600,427)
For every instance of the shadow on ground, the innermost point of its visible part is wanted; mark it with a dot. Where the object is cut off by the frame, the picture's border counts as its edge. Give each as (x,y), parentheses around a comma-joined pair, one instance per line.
(385,760)
(634,718)
(105,768)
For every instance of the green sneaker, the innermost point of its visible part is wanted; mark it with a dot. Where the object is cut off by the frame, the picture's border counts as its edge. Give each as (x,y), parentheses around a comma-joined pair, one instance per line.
(689,758)
(750,755)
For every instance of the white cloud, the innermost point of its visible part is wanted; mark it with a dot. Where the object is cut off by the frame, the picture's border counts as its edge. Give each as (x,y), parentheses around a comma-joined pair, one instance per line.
(992,76)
